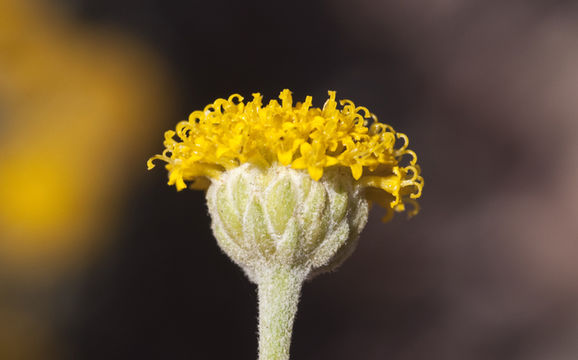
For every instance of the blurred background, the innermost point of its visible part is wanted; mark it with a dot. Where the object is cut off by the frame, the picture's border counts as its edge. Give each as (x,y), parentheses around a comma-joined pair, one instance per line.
(99,259)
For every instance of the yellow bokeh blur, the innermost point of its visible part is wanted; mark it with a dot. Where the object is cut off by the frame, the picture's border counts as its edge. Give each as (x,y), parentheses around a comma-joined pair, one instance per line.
(71,97)
(77,106)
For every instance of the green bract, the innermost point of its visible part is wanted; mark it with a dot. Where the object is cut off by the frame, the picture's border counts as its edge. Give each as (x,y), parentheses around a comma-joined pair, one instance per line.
(279,216)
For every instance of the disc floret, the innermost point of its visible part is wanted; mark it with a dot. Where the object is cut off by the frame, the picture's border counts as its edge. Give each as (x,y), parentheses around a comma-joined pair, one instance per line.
(229,133)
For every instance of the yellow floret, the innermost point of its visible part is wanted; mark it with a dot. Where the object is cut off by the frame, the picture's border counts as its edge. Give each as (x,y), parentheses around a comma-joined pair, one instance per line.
(229,133)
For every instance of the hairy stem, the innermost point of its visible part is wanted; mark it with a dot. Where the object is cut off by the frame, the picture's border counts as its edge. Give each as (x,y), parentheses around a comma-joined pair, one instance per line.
(279,289)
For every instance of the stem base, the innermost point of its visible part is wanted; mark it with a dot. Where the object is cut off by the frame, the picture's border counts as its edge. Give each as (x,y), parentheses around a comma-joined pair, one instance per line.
(279,289)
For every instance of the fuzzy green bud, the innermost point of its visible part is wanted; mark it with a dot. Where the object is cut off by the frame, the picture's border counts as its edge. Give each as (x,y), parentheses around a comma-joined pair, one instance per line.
(265,218)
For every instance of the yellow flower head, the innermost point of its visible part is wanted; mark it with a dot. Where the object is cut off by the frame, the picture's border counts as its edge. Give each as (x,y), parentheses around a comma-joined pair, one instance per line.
(229,132)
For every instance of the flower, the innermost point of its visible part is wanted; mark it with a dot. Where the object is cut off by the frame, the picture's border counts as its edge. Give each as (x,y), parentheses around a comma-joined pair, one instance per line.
(229,133)
(288,190)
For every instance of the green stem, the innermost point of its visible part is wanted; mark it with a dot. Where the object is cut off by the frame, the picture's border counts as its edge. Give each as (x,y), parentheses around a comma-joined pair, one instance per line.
(279,289)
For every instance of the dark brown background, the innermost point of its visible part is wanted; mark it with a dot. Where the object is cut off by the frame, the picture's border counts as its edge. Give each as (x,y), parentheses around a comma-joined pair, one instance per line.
(486,91)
